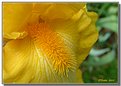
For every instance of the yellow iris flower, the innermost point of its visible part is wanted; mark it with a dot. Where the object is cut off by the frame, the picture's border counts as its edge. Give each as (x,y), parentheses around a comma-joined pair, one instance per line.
(46,42)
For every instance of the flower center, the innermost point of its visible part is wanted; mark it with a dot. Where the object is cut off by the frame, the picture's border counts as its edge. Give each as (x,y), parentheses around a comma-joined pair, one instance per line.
(53,46)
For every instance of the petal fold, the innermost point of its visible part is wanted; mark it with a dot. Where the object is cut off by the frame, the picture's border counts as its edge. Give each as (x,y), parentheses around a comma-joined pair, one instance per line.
(49,11)
(15,35)
(88,34)
(79,32)
(16,62)
(15,15)
(24,62)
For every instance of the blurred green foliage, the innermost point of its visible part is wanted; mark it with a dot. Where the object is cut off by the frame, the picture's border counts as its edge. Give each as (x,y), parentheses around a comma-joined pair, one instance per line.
(101,64)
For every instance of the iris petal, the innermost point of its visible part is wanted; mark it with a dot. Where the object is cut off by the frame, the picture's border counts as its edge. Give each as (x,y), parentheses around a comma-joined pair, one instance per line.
(88,34)
(14,18)
(79,76)
(49,11)
(29,57)
(33,60)
(79,33)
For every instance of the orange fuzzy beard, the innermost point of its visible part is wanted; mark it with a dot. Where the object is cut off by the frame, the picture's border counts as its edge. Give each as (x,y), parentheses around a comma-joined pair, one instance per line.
(53,46)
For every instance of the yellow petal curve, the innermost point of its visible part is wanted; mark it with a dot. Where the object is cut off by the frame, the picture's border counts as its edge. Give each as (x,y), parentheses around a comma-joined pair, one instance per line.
(49,11)
(80,33)
(14,17)
(15,35)
(88,34)
(15,61)
(75,27)
(25,62)
(79,76)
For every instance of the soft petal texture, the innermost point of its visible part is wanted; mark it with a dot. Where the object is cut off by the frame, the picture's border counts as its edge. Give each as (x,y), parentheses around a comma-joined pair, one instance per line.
(88,34)
(24,62)
(13,24)
(79,76)
(57,11)
(79,32)
(15,15)
(15,60)
(15,35)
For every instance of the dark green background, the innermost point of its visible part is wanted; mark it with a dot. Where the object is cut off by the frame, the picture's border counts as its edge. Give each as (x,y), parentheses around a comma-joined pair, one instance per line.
(101,65)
